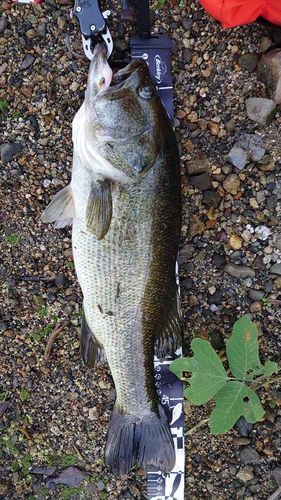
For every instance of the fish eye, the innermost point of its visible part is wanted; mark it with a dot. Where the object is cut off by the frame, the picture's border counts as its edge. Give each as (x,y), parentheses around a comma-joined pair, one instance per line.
(102,81)
(145,92)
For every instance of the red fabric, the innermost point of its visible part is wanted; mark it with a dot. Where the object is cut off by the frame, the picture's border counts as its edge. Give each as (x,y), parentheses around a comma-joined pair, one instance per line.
(236,12)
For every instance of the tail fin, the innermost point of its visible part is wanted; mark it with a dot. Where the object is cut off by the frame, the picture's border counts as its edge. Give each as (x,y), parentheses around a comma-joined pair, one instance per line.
(145,440)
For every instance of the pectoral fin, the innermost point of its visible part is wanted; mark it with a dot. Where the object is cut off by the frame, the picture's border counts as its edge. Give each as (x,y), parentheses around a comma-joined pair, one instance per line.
(99,209)
(61,209)
(169,337)
(91,350)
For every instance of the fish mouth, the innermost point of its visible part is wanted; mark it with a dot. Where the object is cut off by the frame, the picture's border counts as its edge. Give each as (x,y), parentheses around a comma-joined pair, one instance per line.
(102,78)
(123,74)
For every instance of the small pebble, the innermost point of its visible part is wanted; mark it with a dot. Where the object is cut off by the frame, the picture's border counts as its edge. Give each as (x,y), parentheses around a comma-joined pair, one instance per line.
(249,455)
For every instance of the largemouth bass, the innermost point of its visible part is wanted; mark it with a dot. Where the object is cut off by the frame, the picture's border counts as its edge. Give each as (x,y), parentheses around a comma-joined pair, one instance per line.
(125,204)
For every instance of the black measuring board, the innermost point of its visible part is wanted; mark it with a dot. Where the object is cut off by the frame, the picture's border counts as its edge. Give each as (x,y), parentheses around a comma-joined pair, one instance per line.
(155,50)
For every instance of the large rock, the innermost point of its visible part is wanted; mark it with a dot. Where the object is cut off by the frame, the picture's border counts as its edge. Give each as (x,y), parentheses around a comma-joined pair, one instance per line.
(269,72)
(261,110)
(8,150)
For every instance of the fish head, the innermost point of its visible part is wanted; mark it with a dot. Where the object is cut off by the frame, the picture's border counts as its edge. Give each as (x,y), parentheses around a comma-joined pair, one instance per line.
(125,118)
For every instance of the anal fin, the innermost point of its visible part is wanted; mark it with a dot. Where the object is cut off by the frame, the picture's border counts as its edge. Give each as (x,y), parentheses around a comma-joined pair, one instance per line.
(91,350)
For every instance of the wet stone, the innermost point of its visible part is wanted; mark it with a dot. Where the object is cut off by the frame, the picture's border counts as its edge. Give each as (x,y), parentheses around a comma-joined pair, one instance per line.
(218,261)
(244,427)
(236,255)
(8,150)
(211,198)
(245,474)
(217,340)
(186,23)
(259,262)
(239,271)
(269,72)
(221,47)
(275,269)
(231,183)
(41,30)
(32,361)
(187,55)
(33,122)
(249,456)
(268,286)
(253,144)
(230,125)
(48,471)
(201,182)
(271,202)
(215,297)
(186,253)
(120,45)
(27,62)
(249,61)
(260,110)
(198,165)
(255,294)
(255,307)
(5,488)
(263,232)
(227,168)
(3,25)
(38,300)
(187,283)
(60,280)
(237,156)
(196,226)
(277,241)
(254,488)
(100,485)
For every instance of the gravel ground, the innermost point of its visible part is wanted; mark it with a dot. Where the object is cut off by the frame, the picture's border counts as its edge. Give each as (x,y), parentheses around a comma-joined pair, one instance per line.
(59,412)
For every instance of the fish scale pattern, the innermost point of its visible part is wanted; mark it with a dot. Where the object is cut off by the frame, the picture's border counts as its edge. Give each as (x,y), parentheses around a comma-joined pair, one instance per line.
(113,274)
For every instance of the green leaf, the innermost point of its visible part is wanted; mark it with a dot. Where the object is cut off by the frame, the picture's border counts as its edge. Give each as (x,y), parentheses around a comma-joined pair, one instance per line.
(208,372)
(35,335)
(232,401)
(269,367)
(242,349)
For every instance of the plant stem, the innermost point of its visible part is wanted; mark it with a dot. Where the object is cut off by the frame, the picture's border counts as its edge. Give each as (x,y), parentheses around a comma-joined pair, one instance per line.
(256,385)
(201,423)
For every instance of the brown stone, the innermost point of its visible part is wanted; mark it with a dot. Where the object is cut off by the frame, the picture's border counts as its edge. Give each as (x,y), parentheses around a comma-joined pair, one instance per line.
(189,146)
(196,226)
(199,164)
(235,241)
(201,181)
(277,282)
(180,114)
(269,72)
(231,183)
(211,198)
(256,307)
(26,91)
(214,128)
